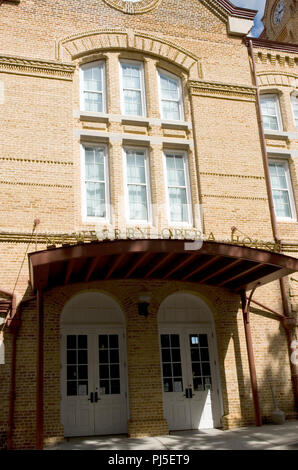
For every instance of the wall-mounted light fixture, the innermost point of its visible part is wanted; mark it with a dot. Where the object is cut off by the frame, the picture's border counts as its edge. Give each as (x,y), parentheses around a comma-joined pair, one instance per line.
(143,304)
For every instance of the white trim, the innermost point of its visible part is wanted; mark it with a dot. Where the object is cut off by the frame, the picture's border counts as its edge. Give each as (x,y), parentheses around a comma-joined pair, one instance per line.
(180,102)
(201,328)
(285,164)
(131,120)
(85,217)
(184,154)
(95,329)
(147,222)
(142,80)
(102,64)
(275,98)
(140,139)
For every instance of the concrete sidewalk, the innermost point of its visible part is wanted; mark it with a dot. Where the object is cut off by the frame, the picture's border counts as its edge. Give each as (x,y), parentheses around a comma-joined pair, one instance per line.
(267,437)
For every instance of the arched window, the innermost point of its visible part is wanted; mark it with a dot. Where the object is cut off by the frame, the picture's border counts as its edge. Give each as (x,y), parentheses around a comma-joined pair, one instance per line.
(93,88)
(271,112)
(170,93)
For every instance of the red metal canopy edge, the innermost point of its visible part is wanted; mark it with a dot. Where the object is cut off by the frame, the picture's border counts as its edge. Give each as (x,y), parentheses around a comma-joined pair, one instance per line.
(218,264)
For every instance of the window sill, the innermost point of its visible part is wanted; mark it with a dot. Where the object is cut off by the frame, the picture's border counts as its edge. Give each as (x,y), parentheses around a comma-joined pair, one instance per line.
(286,221)
(183,125)
(280,134)
(94,117)
(135,120)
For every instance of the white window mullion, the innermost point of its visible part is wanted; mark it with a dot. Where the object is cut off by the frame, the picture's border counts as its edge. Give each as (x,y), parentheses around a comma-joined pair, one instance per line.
(178,189)
(95,182)
(284,205)
(132,88)
(170,92)
(271,112)
(295,108)
(137,185)
(93,87)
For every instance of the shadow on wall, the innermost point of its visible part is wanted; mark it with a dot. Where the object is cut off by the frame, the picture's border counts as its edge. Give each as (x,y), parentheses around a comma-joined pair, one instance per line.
(272,364)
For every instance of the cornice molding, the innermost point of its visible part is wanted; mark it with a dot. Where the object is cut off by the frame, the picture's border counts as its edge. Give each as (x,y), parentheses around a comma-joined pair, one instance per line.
(224,8)
(81,45)
(37,68)
(272,45)
(276,58)
(222,90)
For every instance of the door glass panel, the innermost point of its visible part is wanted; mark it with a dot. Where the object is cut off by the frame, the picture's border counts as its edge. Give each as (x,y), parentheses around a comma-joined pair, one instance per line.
(171,363)
(77,365)
(109,364)
(200,362)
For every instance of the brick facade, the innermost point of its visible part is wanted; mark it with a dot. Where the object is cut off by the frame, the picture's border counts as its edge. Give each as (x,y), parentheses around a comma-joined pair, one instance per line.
(42,47)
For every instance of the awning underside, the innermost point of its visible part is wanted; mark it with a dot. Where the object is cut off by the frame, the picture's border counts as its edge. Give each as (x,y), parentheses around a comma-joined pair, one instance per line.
(216,264)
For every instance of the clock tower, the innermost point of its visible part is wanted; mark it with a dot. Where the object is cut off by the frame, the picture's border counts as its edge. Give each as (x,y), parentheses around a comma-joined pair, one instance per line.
(281,21)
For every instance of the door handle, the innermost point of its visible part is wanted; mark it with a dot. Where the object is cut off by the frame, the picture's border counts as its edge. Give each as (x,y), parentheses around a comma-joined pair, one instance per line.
(91,397)
(96,397)
(188,393)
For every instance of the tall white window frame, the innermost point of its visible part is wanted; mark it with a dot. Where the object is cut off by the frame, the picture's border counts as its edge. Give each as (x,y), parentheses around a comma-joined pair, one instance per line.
(163,98)
(95,181)
(284,189)
(270,108)
(129,183)
(294,100)
(183,156)
(138,90)
(90,87)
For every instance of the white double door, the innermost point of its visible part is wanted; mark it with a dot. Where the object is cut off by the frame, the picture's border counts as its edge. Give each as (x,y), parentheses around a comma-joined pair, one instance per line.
(190,379)
(93,382)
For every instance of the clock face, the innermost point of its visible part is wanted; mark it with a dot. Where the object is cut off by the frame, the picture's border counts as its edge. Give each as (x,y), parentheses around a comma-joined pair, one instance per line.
(133,6)
(279,12)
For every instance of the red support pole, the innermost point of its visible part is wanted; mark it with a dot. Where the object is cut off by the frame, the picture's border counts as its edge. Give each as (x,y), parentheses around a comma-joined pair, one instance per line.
(251,359)
(39,387)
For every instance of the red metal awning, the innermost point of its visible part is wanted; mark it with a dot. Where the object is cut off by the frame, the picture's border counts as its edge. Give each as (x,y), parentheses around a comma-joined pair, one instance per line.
(216,264)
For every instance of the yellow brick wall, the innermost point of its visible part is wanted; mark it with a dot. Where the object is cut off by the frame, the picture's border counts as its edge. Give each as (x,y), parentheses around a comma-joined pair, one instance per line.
(40,176)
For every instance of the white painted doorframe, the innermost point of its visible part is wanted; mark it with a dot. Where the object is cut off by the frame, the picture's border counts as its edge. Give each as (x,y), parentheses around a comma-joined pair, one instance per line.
(182,412)
(79,408)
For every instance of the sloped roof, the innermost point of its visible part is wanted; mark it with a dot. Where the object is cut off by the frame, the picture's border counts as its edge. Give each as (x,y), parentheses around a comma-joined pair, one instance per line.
(224,9)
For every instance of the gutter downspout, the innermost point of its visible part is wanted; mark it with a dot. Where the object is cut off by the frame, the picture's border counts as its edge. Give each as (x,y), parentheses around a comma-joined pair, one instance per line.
(286,323)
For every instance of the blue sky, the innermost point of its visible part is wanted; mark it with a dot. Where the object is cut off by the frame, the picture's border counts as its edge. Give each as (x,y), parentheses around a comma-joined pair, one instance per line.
(254,5)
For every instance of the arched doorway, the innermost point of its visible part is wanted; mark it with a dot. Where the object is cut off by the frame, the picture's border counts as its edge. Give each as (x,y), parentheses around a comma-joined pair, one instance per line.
(191,383)
(93,366)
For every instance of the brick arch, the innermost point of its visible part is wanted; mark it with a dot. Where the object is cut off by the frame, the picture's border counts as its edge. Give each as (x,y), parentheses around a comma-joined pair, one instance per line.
(278,78)
(77,46)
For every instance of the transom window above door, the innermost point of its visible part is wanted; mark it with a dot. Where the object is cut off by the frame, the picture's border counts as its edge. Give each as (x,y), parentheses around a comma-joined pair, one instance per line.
(133,101)
(93,87)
